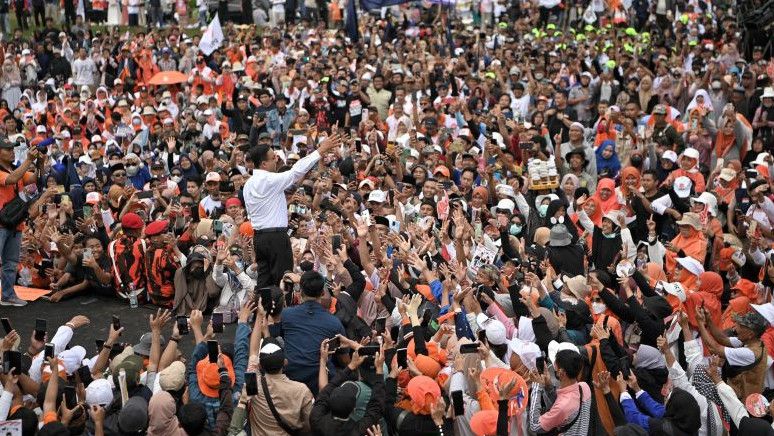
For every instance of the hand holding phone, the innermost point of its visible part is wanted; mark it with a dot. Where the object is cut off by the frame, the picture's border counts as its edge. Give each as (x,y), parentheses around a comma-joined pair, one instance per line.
(182,324)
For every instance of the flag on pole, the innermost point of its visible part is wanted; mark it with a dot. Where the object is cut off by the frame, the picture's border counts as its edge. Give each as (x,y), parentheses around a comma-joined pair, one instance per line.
(352,24)
(212,38)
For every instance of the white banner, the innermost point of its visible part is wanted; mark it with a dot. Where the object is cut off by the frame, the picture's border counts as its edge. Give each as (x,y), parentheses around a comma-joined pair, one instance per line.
(212,37)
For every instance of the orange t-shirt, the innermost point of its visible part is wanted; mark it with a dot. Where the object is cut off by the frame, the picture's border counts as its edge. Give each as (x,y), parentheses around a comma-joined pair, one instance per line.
(7,192)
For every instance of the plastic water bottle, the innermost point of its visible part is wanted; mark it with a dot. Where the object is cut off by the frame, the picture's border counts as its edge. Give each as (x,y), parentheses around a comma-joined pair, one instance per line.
(25,276)
(132,296)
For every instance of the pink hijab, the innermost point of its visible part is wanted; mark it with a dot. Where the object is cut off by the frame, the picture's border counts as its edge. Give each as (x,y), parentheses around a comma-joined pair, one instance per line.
(161,416)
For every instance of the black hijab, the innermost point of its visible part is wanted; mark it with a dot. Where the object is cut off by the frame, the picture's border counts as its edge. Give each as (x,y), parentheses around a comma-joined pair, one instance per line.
(682,416)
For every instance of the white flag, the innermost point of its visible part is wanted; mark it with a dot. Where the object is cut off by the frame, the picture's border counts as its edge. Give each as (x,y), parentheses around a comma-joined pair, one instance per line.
(212,37)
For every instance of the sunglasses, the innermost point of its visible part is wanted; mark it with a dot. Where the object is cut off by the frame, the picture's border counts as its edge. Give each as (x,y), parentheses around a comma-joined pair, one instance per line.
(119,174)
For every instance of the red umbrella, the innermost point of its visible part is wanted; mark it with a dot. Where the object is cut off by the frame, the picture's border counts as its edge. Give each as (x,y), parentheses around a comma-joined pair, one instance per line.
(168,78)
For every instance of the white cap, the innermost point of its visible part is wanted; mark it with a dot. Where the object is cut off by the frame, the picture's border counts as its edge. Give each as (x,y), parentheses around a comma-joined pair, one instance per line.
(506,204)
(41,129)
(675,289)
(26,51)
(72,358)
(766,310)
(208,112)
(212,176)
(692,265)
(691,152)
(495,332)
(377,196)
(527,351)
(99,393)
(682,186)
(97,138)
(669,155)
(555,347)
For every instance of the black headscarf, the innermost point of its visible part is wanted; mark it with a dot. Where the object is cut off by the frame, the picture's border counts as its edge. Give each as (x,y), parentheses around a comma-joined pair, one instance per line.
(682,414)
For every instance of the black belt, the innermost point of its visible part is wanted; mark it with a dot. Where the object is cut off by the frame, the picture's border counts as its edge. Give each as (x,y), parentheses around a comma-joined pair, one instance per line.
(271,230)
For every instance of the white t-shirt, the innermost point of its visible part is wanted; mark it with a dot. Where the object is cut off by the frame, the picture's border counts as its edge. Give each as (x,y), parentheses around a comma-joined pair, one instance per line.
(739,355)
(83,71)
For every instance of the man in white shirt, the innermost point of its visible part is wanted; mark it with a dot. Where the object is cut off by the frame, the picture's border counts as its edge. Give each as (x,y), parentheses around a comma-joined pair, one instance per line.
(267,208)
(84,70)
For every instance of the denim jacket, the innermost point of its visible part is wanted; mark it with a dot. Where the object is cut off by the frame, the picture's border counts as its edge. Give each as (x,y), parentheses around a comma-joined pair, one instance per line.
(241,354)
(279,124)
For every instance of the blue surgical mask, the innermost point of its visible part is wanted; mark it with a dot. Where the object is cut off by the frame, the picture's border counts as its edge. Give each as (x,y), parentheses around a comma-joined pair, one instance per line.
(515,229)
(543,210)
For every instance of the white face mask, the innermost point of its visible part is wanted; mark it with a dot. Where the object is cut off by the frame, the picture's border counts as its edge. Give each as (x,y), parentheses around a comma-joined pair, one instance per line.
(598,308)
(132,170)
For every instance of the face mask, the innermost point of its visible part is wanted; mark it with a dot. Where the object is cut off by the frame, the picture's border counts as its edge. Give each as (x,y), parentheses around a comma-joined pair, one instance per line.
(197,273)
(538,76)
(306,265)
(542,210)
(176,179)
(132,170)
(636,161)
(598,308)
(515,229)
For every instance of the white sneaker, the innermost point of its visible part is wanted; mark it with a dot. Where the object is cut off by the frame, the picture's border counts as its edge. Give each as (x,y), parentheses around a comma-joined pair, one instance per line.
(14,301)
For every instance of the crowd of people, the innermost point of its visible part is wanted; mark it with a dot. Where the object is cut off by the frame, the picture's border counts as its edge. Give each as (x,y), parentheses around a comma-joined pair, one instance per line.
(457,218)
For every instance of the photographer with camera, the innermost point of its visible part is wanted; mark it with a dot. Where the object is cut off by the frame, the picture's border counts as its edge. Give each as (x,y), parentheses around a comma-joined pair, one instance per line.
(13,211)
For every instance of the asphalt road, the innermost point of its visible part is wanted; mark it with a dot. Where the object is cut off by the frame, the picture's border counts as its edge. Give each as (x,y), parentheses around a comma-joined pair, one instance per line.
(100,312)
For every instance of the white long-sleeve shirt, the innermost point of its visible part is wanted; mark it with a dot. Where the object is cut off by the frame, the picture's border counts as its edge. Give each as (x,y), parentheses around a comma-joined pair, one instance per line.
(265,193)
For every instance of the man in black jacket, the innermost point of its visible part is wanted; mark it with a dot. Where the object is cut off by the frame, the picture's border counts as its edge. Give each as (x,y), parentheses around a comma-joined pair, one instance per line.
(241,116)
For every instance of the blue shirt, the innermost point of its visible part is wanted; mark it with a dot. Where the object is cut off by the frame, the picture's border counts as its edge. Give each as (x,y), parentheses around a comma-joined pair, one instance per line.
(303,329)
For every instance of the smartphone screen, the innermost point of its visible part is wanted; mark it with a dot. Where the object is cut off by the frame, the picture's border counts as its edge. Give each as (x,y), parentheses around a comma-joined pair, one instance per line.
(217,227)
(182,324)
(49,353)
(459,405)
(87,211)
(84,373)
(336,243)
(402,357)
(145,195)
(6,325)
(99,343)
(469,348)
(116,322)
(40,329)
(212,351)
(217,322)
(380,325)
(70,398)
(12,359)
(251,383)
(266,299)
(540,364)
(368,350)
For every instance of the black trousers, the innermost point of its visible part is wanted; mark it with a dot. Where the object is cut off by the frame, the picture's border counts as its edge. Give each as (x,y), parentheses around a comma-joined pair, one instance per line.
(274,257)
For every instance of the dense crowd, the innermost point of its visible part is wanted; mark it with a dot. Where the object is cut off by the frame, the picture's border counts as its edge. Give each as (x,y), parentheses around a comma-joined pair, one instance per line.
(469,218)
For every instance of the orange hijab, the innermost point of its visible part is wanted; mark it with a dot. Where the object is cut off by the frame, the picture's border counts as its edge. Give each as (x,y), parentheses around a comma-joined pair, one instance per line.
(611,203)
(626,172)
(694,246)
(737,306)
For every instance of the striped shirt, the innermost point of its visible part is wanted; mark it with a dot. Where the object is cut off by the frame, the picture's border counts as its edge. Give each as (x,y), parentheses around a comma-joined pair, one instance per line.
(562,411)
